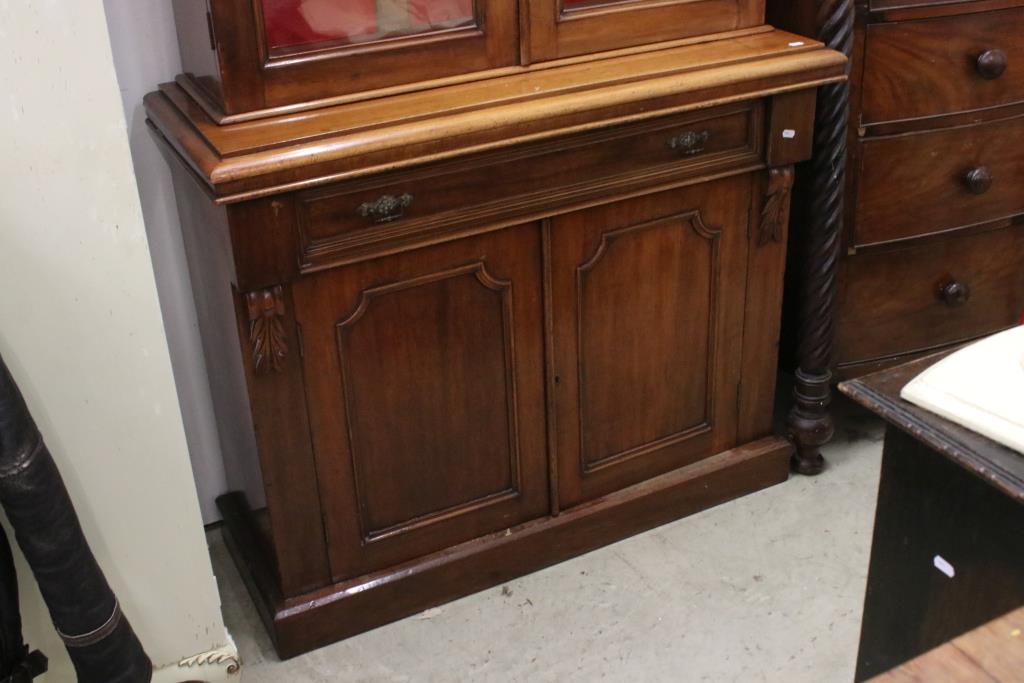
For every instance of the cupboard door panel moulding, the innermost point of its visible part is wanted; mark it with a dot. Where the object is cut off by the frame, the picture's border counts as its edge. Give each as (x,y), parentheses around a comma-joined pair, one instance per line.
(426,396)
(648,300)
(496,320)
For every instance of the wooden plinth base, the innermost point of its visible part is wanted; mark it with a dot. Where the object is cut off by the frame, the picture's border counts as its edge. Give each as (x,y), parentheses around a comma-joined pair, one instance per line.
(302,623)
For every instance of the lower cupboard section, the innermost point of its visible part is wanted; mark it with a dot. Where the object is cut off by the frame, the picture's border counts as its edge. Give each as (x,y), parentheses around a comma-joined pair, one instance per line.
(432,374)
(489,405)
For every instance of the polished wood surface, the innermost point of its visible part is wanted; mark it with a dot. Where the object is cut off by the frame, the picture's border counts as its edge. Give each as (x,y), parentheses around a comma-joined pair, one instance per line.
(933,181)
(262,418)
(252,76)
(425,374)
(449,198)
(633,284)
(947,554)
(489,321)
(938,66)
(233,69)
(246,160)
(952,289)
(935,103)
(993,652)
(556,31)
(908,10)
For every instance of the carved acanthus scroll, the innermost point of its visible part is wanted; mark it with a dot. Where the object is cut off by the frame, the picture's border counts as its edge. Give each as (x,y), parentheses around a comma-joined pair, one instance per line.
(776,205)
(266,329)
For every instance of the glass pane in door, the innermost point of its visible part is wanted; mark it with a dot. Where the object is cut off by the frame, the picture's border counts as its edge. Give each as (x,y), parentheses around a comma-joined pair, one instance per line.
(297,23)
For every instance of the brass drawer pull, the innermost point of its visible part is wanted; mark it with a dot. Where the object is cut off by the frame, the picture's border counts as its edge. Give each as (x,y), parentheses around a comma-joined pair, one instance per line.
(978,180)
(691,142)
(954,294)
(386,209)
(991,64)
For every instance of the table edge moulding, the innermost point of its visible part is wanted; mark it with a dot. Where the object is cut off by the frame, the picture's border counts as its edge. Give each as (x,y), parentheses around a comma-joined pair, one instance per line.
(340,249)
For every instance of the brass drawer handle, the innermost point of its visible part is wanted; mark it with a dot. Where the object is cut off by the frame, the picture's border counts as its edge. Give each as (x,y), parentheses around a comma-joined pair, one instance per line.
(978,180)
(386,208)
(691,142)
(992,63)
(954,294)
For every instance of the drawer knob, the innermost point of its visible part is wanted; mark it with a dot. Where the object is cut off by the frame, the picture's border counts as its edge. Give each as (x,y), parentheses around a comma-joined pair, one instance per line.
(386,208)
(992,63)
(978,180)
(691,142)
(954,294)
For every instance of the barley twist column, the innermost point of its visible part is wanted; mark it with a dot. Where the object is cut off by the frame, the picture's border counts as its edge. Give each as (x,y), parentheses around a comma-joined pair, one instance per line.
(810,423)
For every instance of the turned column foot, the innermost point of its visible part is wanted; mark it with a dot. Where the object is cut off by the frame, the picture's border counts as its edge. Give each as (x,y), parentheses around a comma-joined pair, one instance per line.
(810,423)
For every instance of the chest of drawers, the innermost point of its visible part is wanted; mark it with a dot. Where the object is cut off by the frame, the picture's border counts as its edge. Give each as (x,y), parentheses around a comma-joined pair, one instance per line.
(930,252)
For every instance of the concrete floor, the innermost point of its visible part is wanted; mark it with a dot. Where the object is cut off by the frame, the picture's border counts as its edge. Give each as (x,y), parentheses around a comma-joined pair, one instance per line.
(766,588)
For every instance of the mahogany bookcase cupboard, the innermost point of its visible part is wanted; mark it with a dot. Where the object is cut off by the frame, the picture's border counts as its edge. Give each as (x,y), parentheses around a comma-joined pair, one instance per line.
(482,284)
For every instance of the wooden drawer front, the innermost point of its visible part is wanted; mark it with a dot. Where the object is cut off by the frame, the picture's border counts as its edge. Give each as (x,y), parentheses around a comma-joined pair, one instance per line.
(894,301)
(939,66)
(928,182)
(358,217)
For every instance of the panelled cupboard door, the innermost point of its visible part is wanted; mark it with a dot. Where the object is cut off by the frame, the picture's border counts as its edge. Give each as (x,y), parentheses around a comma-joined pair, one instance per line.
(648,297)
(567,28)
(425,375)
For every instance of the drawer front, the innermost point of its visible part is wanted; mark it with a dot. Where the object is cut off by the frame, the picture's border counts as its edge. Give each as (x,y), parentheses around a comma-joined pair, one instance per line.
(939,66)
(925,296)
(402,207)
(922,183)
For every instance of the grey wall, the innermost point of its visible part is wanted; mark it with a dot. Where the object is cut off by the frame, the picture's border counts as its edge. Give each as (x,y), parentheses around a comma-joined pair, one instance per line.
(145,49)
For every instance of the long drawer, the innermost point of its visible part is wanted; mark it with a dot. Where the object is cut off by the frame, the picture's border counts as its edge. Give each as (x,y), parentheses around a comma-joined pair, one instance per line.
(929,182)
(927,295)
(389,209)
(937,66)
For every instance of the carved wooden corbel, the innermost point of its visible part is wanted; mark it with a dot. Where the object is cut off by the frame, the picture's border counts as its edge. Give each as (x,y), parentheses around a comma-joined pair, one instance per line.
(775,214)
(266,329)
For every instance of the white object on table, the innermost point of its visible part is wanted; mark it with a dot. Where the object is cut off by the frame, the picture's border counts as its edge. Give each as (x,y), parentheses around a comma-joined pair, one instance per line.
(980,387)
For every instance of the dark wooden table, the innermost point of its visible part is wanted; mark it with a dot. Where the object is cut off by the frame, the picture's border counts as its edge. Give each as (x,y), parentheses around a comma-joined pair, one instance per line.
(948,548)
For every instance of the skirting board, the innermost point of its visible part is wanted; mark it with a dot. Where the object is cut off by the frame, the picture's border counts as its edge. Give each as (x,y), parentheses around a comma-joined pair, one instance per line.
(303,623)
(222,665)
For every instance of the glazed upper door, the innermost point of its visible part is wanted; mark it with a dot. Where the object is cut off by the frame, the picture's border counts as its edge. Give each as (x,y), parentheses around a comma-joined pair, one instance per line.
(648,299)
(566,28)
(425,381)
(275,53)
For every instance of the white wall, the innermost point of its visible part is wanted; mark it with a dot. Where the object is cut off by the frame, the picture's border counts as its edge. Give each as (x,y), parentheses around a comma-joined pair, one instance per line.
(81,329)
(145,48)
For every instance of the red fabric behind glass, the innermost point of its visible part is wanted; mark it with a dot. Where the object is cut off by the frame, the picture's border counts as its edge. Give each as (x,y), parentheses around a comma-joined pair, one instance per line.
(287,27)
(435,12)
